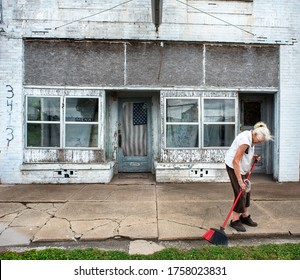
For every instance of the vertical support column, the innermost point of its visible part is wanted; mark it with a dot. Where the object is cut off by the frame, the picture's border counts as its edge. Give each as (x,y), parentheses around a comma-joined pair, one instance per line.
(289,103)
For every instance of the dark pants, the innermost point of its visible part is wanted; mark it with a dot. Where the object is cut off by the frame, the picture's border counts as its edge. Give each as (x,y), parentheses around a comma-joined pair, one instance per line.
(244,200)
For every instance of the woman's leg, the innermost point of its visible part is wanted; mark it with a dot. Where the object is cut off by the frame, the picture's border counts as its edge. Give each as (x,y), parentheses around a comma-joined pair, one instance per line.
(240,206)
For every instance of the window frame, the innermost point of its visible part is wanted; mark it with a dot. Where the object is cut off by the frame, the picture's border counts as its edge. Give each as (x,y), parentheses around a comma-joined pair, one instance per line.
(217,123)
(201,122)
(42,122)
(63,122)
(182,123)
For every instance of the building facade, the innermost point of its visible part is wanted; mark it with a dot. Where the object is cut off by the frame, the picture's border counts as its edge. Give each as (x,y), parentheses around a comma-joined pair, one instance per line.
(92,88)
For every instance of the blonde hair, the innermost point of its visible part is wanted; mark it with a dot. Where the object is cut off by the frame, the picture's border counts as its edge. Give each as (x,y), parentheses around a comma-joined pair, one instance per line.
(262,132)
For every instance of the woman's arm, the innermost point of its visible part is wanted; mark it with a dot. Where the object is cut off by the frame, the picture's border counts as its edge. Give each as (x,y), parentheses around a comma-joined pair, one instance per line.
(236,164)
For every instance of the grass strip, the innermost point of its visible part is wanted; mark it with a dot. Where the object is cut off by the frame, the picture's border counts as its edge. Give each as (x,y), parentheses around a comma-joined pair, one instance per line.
(288,251)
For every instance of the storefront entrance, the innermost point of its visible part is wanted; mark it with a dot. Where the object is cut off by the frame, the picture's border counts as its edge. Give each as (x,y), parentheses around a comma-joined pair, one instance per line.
(255,107)
(134,135)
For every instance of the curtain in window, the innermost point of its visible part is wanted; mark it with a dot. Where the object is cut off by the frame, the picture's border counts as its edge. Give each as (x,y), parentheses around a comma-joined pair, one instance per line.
(180,136)
(218,113)
(184,133)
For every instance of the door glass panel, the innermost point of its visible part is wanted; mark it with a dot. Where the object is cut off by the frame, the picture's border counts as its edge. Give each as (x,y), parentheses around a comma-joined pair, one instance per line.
(252,113)
(134,129)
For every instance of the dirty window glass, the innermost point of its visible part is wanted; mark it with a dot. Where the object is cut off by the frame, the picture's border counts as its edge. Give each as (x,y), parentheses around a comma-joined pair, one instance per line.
(182,128)
(43,122)
(81,122)
(182,136)
(182,110)
(82,109)
(219,122)
(48,126)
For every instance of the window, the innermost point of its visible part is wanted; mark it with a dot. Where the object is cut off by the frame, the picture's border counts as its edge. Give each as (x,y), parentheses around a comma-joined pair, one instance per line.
(43,121)
(184,127)
(218,122)
(182,124)
(48,126)
(81,123)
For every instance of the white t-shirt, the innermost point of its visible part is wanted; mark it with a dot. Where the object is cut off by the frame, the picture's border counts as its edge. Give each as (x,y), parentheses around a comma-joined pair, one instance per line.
(244,137)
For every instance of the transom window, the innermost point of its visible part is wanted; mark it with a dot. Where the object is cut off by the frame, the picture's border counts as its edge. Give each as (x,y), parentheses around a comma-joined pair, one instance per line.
(189,127)
(56,122)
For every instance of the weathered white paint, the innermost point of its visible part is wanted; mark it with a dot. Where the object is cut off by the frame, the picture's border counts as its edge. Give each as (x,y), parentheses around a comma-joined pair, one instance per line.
(62,173)
(190,172)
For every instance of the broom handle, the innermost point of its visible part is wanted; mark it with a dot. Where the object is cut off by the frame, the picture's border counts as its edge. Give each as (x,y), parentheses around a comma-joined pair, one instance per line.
(238,197)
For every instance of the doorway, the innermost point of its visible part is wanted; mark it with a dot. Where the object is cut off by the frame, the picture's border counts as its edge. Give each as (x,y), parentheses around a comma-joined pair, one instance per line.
(255,107)
(134,135)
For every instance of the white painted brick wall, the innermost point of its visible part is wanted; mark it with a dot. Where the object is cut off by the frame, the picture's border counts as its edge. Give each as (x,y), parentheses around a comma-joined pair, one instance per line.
(11,109)
(289,114)
(61,19)
(289,101)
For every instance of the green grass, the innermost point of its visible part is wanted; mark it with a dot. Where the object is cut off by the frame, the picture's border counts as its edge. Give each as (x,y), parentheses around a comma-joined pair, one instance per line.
(289,251)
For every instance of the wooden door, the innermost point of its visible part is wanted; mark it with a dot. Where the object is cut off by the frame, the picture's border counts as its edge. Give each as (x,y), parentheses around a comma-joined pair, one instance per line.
(134,135)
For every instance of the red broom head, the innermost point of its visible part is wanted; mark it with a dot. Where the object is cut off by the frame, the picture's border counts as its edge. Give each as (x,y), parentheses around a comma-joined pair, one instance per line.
(208,235)
(216,236)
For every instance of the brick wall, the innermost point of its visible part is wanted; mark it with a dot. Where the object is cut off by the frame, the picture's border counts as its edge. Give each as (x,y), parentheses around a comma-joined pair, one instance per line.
(11,109)
(289,96)
(289,114)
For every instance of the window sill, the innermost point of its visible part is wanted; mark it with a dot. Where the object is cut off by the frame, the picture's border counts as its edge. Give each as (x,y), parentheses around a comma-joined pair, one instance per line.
(76,166)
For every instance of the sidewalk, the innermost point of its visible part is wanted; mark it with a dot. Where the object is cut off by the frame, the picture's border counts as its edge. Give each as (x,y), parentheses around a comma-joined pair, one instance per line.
(140,209)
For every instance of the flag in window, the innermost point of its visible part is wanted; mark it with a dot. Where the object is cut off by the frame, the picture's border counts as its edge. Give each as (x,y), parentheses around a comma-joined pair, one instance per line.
(139,113)
(134,129)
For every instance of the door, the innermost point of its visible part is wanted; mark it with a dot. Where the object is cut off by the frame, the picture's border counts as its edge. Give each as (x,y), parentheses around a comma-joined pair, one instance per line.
(134,135)
(255,108)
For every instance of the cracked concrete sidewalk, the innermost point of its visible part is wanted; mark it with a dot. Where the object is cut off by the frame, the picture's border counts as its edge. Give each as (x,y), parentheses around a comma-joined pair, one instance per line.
(140,209)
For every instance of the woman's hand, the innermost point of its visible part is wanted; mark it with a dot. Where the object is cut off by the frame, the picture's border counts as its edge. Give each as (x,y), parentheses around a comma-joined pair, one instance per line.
(242,184)
(257,158)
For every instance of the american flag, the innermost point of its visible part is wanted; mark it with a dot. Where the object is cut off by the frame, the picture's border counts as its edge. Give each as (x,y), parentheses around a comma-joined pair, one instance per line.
(134,134)
(139,113)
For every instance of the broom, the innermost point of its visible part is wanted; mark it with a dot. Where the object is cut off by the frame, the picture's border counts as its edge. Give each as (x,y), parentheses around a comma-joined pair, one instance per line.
(218,236)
